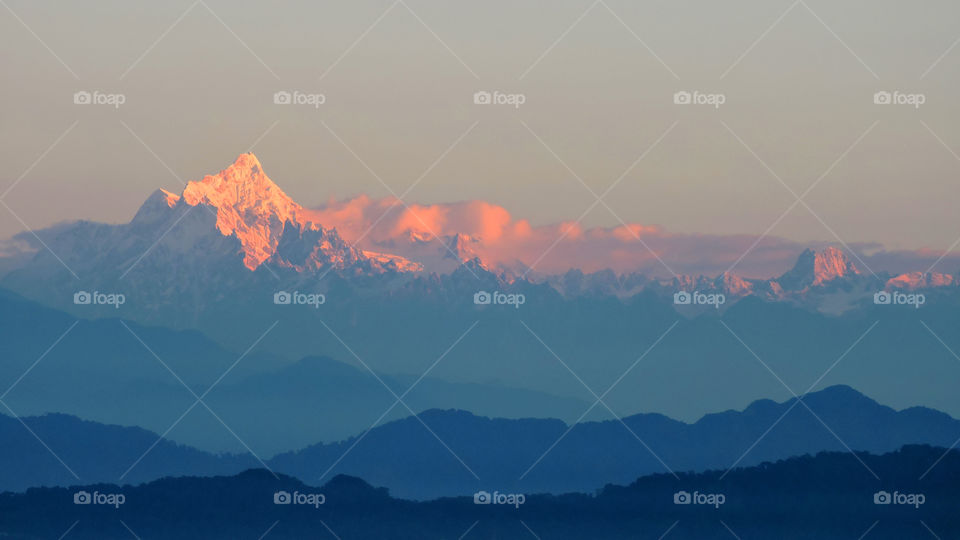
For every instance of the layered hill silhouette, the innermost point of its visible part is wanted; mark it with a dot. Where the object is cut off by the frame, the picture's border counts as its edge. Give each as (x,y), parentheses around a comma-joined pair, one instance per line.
(900,362)
(830,495)
(402,367)
(421,458)
(119,372)
(525,454)
(95,452)
(100,371)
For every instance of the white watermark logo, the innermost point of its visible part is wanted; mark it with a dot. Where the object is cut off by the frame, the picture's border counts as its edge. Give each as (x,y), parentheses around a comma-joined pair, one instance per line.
(297,298)
(909,499)
(109,499)
(899,98)
(298,98)
(697,298)
(98,98)
(499,98)
(710,499)
(97,298)
(697,97)
(308,499)
(512,499)
(896,298)
(497,298)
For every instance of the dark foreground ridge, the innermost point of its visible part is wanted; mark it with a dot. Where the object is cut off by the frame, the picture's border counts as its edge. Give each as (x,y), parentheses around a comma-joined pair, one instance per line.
(904,494)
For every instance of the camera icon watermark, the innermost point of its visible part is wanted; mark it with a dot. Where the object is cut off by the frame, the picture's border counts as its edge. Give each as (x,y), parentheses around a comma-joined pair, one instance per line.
(511,499)
(697,298)
(497,97)
(484,298)
(97,298)
(683,97)
(308,499)
(297,97)
(908,499)
(284,298)
(897,298)
(899,98)
(107,499)
(710,499)
(97,97)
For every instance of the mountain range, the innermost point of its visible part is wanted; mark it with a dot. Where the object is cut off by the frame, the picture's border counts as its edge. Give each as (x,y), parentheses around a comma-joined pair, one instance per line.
(830,496)
(536,361)
(549,456)
(231,278)
(177,246)
(237,260)
(420,458)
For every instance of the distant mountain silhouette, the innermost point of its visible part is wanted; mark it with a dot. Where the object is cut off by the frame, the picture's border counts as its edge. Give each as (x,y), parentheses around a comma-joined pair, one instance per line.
(97,453)
(401,327)
(322,399)
(828,496)
(100,371)
(407,458)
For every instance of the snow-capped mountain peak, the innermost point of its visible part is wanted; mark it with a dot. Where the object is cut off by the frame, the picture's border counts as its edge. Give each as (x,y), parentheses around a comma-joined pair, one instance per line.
(920,280)
(815,268)
(270,227)
(249,205)
(832,263)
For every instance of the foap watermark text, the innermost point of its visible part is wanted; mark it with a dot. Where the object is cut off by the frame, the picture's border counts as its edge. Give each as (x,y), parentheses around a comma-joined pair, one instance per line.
(106,499)
(697,97)
(297,298)
(697,298)
(709,499)
(897,298)
(97,298)
(511,499)
(899,98)
(307,499)
(297,97)
(97,97)
(499,98)
(907,499)
(497,298)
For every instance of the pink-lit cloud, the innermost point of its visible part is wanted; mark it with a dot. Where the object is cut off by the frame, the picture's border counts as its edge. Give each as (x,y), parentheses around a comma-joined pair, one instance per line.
(489,231)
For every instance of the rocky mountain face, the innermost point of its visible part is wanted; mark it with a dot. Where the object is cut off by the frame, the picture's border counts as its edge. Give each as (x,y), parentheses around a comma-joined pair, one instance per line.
(232,233)
(270,227)
(818,268)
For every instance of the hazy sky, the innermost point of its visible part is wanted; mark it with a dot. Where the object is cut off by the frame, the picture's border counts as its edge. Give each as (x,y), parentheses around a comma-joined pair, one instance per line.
(399,78)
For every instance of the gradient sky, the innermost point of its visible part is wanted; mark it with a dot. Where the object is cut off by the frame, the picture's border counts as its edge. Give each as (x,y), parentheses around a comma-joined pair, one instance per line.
(198,81)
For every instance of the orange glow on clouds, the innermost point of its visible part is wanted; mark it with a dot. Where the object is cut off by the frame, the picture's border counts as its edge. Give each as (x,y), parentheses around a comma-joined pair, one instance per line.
(487,231)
